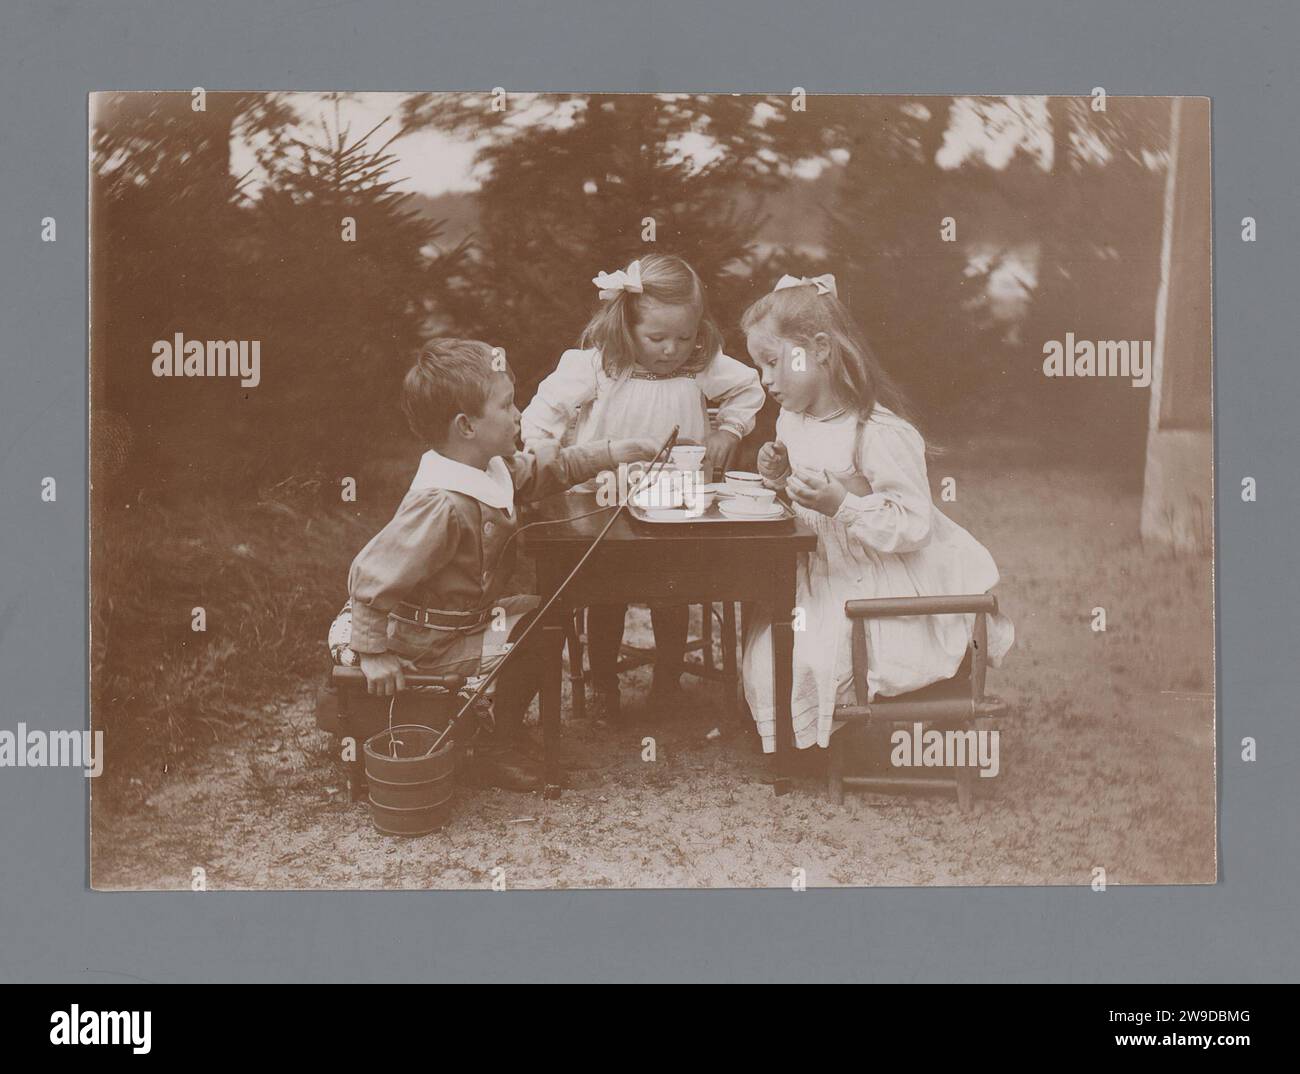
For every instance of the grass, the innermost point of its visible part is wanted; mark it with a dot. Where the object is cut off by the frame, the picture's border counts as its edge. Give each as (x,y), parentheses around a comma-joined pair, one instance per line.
(1107,760)
(269,577)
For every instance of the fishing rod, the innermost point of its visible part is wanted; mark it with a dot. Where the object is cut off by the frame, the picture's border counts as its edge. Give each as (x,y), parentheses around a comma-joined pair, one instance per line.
(663,454)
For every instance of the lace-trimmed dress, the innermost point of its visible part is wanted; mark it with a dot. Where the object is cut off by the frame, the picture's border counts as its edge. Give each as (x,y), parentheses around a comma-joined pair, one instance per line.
(891,541)
(637,403)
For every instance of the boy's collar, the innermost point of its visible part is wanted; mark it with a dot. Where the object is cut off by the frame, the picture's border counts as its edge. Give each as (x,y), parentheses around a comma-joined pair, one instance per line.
(493,486)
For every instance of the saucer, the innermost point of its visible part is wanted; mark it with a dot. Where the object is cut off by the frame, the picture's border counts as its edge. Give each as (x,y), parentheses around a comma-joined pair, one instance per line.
(775,511)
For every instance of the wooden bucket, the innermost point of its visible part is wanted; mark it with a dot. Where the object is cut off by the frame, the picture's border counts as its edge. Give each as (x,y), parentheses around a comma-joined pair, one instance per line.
(410,793)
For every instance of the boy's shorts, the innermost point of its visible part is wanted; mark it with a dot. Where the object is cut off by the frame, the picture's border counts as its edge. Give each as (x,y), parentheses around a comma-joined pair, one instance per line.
(494,644)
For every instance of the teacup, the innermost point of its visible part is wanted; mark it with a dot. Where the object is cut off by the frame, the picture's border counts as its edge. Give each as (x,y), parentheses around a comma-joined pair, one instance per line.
(698,499)
(686,457)
(744,481)
(746,504)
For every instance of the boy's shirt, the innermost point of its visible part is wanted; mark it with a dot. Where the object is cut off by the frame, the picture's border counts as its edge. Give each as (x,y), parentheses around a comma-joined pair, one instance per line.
(445,547)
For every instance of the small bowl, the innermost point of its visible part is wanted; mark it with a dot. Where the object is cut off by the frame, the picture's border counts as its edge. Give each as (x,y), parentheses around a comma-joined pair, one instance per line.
(763,497)
(743,480)
(663,495)
(699,500)
(686,457)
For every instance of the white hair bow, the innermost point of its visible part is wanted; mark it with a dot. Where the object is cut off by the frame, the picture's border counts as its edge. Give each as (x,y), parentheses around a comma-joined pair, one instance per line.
(825,284)
(611,283)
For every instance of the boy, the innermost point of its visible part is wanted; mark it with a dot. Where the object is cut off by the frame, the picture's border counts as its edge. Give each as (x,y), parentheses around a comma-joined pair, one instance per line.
(427,592)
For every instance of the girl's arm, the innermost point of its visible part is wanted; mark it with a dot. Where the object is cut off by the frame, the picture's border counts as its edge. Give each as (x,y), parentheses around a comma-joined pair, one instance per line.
(420,539)
(736,390)
(559,396)
(895,515)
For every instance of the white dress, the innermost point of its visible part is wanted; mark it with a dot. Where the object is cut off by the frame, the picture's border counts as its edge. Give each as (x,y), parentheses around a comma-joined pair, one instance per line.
(635,403)
(892,542)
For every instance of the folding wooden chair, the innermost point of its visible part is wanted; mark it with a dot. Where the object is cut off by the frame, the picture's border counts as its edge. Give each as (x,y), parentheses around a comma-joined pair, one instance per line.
(958,703)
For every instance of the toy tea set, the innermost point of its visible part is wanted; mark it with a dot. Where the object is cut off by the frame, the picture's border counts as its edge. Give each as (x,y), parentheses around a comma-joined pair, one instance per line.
(680,494)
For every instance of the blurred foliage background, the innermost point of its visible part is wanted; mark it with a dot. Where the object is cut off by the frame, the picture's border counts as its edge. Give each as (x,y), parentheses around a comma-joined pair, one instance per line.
(1060,233)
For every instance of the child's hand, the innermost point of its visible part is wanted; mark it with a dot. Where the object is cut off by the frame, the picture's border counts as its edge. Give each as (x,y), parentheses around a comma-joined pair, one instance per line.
(718,449)
(816,490)
(383,673)
(774,464)
(642,449)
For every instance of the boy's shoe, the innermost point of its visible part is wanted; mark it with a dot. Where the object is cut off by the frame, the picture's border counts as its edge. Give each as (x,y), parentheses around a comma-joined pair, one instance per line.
(500,764)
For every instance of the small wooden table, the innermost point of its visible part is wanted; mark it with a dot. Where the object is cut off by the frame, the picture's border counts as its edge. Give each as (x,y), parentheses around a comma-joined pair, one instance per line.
(641,564)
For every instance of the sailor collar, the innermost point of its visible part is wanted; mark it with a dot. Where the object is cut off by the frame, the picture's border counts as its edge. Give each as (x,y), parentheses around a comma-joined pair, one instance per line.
(493,487)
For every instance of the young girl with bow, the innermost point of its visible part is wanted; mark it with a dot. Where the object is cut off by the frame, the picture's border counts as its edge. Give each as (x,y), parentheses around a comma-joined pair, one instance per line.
(854,470)
(650,358)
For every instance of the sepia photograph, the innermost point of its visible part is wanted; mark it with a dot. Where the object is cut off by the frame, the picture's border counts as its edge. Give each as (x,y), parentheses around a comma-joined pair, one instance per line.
(501,491)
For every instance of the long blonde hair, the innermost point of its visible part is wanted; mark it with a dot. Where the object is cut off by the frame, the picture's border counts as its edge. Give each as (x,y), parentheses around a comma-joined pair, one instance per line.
(666,279)
(798,314)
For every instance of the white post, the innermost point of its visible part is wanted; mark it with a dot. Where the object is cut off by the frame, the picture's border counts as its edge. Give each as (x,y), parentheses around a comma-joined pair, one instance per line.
(1178,479)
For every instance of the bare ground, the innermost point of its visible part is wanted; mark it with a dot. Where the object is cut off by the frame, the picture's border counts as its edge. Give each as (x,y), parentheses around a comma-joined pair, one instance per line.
(1108,761)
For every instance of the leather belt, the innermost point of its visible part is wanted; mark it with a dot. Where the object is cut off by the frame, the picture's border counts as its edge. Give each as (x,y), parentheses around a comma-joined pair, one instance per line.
(440,619)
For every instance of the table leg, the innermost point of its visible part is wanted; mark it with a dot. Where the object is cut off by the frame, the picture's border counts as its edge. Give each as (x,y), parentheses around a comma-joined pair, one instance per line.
(783,678)
(549,704)
(729,674)
(577,673)
(706,634)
